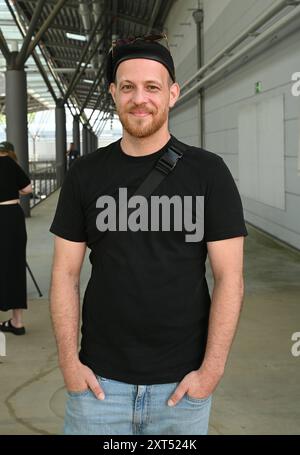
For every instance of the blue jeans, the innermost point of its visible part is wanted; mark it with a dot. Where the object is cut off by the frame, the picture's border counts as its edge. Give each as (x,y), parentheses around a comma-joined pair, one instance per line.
(130,409)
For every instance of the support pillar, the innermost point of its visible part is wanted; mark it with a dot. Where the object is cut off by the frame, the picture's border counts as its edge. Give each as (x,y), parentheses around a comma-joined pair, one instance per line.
(198,18)
(60,141)
(84,140)
(16,118)
(93,141)
(90,146)
(76,133)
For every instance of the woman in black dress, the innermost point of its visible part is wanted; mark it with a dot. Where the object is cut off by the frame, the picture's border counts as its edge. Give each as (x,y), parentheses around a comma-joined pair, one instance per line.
(13,238)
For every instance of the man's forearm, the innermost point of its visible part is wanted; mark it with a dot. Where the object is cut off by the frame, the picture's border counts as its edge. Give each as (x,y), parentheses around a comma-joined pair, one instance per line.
(65,312)
(225,309)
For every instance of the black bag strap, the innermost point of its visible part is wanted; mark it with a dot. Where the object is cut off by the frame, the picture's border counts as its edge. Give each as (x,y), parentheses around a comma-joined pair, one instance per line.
(164,165)
(162,168)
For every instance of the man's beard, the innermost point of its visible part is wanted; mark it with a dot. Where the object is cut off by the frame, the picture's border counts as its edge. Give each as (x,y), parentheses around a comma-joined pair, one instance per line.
(144,126)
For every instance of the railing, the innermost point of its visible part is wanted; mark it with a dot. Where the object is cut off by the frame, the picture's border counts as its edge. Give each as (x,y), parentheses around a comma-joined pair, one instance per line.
(43,176)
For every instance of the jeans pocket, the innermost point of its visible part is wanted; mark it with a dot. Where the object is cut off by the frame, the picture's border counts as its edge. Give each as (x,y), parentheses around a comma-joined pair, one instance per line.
(197,400)
(80,393)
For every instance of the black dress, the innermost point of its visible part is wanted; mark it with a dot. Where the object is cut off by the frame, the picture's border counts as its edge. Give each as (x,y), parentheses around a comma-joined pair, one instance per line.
(13,237)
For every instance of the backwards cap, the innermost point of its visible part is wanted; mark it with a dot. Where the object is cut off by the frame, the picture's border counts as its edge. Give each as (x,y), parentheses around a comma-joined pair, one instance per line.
(139,49)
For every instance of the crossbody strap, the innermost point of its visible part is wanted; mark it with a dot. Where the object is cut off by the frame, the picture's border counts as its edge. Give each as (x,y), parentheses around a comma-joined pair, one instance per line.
(162,168)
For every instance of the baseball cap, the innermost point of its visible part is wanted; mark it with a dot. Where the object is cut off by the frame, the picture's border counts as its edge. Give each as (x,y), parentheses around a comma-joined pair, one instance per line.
(6,147)
(138,48)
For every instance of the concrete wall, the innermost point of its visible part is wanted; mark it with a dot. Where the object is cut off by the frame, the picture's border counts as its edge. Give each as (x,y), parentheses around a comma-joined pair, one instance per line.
(181,31)
(224,20)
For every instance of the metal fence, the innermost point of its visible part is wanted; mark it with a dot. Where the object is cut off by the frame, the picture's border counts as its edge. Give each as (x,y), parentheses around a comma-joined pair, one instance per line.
(43,175)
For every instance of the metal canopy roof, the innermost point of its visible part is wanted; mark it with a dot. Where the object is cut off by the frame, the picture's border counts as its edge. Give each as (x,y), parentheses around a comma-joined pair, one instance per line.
(75,66)
(38,96)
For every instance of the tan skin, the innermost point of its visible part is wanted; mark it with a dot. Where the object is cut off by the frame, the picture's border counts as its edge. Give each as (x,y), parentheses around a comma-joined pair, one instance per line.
(17,315)
(139,104)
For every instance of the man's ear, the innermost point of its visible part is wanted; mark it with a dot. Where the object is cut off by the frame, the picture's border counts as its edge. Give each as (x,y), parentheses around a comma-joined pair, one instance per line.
(174,94)
(112,90)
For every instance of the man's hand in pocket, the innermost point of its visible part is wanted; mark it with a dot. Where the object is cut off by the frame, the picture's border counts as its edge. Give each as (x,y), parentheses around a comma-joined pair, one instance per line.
(79,377)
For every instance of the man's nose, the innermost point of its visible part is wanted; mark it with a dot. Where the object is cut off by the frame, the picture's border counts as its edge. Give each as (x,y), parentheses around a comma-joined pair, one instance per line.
(138,96)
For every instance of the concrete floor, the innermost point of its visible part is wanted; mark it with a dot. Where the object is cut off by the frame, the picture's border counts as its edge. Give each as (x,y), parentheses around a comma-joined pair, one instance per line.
(260,392)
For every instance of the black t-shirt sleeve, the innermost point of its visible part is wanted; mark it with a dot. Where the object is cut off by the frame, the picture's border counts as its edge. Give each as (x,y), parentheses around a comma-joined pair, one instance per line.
(22,178)
(69,220)
(223,211)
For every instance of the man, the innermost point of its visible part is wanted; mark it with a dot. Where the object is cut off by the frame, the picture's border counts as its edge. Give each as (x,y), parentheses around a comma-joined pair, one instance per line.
(154,345)
(72,154)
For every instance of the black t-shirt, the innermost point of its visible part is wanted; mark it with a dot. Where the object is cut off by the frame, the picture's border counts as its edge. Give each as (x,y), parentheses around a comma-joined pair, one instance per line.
(146,306)
(12,179)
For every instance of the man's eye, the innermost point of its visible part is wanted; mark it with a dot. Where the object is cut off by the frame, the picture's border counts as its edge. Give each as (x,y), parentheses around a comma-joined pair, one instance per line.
(126,86)
(152,87)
